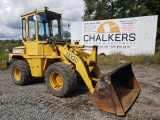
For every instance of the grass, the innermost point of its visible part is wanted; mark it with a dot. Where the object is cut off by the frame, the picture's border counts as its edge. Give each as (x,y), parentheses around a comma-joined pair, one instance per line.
(116,59)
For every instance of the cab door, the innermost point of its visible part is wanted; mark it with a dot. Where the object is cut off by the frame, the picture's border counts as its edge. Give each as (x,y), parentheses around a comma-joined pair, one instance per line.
(32,46)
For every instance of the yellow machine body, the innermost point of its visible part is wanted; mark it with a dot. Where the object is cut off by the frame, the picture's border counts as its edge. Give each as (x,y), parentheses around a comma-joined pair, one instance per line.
(40,54)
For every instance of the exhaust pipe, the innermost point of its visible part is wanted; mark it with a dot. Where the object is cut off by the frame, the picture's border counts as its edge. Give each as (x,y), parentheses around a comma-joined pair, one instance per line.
(116,91)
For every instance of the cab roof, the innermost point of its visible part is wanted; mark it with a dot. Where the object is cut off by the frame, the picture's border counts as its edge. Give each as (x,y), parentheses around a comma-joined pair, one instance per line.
(38,11)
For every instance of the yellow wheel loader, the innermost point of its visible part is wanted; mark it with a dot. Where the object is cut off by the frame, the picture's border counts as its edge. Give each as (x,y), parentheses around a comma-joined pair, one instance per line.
(44,54)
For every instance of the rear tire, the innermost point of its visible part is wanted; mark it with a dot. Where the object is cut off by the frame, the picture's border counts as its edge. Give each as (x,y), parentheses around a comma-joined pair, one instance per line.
(60,79)
(20,72)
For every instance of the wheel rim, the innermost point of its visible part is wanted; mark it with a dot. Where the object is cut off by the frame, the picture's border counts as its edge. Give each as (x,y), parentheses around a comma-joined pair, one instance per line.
(56,80)
(17,74)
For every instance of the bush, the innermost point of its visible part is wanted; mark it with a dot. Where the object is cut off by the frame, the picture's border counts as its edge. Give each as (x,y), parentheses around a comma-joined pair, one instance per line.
(7,44)
(117,59)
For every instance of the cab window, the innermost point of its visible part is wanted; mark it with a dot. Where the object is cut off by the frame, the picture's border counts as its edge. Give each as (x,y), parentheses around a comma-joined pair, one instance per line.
(24,29)
(31,26)
(43,27)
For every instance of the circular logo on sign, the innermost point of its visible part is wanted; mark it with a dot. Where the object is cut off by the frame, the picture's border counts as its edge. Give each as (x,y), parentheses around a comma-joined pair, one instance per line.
(108,27)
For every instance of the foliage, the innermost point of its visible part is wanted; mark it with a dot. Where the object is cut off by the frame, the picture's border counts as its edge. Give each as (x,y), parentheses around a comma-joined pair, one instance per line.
(67,34)
(117,59)
(97,9)
(7,44)
(107,9)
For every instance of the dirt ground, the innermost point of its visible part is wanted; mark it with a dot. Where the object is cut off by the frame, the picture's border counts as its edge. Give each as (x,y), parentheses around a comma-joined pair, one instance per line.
(33,102)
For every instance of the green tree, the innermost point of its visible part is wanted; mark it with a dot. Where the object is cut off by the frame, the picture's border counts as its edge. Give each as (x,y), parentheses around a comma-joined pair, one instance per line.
(67,34)
(130,8)
(97,9)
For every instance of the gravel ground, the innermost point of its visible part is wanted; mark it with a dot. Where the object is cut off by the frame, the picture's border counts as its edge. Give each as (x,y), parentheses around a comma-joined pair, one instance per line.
(34,102)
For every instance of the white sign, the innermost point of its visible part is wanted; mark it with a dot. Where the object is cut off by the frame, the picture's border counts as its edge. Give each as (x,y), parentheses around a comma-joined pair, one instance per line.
(129,36)
(111,34)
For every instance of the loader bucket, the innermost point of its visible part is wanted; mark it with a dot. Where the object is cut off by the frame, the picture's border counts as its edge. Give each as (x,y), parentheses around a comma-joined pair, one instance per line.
(116,91)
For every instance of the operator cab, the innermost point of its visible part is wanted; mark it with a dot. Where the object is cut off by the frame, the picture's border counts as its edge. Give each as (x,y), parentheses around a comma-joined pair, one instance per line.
(41,25)
(48,25)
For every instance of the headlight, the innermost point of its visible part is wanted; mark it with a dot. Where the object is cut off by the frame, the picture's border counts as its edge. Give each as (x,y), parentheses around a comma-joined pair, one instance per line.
(18,51)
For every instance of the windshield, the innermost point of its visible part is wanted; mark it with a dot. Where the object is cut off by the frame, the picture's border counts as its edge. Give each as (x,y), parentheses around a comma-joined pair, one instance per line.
(48,27)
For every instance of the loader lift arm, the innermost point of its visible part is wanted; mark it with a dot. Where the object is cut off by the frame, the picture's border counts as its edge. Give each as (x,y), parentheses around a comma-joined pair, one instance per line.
(80,66)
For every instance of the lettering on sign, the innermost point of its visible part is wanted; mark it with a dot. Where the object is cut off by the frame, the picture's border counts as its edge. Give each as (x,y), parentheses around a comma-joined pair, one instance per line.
(110,37)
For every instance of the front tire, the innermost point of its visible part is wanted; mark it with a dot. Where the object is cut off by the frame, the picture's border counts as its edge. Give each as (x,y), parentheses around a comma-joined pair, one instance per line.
(20,72)
(60,79)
